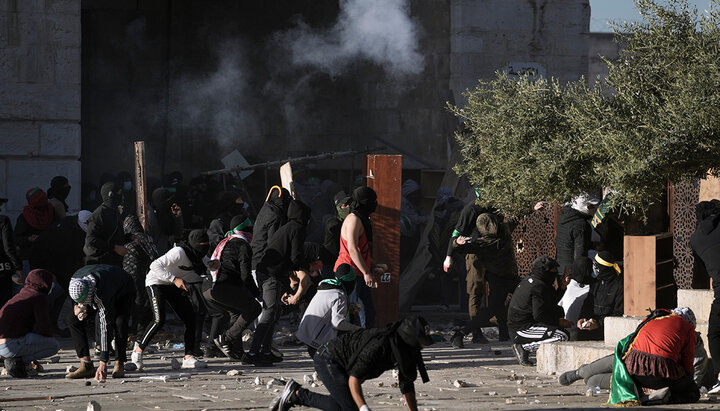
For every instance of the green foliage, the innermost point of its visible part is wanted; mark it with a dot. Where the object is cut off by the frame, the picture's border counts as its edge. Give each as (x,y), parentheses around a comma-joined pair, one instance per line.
(656,120)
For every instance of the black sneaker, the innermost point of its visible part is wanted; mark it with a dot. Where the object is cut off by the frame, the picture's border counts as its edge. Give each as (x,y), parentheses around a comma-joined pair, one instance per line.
(457,340)
(568,377)
(224,345)
(16,367)
(288,398)
(522,355)
(479,338)
(272,358)
(258,360)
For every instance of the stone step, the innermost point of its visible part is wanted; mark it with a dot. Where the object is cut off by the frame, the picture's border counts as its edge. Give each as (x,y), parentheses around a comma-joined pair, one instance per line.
(569,355)
(617,328)
(698,300)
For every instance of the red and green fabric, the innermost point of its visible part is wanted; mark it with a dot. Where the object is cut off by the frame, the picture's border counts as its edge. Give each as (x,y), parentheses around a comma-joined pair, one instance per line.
(623,392)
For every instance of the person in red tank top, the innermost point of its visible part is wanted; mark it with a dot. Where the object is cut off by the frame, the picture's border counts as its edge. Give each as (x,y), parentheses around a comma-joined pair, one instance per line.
(355,246)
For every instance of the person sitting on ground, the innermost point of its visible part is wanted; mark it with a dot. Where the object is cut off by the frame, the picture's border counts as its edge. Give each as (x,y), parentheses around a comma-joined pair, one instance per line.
(598,373)
(604,299)
(658,359)
(326,314)
(577,289)
(233,291)
(166,282)
(25,327)
(347,361)
(493,249)
(534,317)
(107,292)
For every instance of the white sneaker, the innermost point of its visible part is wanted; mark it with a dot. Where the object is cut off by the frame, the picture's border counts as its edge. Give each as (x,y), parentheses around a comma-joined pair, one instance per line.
(136,358)
(715,389)
(193,362)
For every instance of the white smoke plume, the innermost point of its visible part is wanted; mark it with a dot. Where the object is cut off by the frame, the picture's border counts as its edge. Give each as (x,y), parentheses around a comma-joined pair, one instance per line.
(381,31)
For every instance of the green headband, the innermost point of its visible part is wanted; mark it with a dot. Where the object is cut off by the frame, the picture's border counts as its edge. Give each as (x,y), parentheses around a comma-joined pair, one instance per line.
(244,224)
(350,276)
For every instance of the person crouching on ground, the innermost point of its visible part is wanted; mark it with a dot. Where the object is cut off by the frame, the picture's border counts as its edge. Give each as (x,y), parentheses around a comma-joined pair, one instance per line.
(344,363)
(604,299)
(25,327)
(326,314)
(107,292)
(534,317)
(166,282)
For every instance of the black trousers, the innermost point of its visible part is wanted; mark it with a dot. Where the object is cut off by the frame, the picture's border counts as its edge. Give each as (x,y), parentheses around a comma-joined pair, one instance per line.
(180,303)
(228,298)
(682,391)
(271,294)
(714,330)
(117,327)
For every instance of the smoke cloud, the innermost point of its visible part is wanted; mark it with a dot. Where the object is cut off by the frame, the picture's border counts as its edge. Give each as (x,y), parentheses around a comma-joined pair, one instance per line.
(377,30)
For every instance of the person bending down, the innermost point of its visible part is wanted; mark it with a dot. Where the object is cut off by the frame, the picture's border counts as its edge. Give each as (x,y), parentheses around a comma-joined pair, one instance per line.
(25,327)
(107,292)
(344,363)
(534,317)
(166,282)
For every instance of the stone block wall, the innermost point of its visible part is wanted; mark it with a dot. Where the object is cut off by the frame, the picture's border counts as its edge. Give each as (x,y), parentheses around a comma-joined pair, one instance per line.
(39,97)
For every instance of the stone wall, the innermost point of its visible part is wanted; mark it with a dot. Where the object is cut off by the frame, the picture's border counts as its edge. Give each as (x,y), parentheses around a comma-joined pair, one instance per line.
(39,97)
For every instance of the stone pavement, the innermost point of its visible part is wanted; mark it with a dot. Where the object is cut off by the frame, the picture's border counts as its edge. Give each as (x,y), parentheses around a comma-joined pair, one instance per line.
(492,377)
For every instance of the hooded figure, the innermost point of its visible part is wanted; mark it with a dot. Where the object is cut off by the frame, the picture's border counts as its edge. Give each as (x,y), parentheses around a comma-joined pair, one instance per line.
(57,194)
(35,218)
(230,205)
(364,203)
(333,225)
(327,313)
(105,237)
(606,297)
(410,218)
(25,325)
(572,238)
(271,217)
(165,225)
(285,252)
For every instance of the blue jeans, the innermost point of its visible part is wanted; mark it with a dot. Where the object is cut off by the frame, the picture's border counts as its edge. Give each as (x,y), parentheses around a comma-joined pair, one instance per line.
(336,381)
(30,347)
(364,294)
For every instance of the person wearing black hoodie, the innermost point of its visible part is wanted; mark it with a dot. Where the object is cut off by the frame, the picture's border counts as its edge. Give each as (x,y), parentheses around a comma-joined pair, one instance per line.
(606,298)
(231,204)
(271,217)
(233,291)
(105,237)
(572,236)
(165,220)
(285,252)
(705,244)
(57,194)
(25,326)
(344,363)
(534,317)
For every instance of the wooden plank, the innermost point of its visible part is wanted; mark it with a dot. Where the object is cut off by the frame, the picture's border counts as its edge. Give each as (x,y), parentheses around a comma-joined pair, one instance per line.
(286,178)
(640,275)
(384,175)
(141,184)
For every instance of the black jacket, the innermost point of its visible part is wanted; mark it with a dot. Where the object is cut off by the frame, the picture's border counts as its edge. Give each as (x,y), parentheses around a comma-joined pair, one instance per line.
(23,232)
(9,261)
(286,250)
(105,231)
(271,217)
(605,297)
(59,249)
(534,302)
(466,225)
(572,238)
(371,354)
(332,240)
(217,229)
(705,243)
(235,262)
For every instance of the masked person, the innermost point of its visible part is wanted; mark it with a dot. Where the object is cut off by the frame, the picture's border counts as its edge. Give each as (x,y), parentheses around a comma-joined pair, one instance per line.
(25,327)
(333,225)
(356,238)
(285,253)
(534,317)
(165,220)
(105,236)
(106,292)
(326,315)
(231,204)
(605,298)
(572,237)
(347,361)
(57,194)
(166,283)
(233,291)
(36,217)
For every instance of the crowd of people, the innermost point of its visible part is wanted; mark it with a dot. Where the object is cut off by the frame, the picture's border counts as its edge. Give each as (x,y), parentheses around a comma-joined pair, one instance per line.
(239,269)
